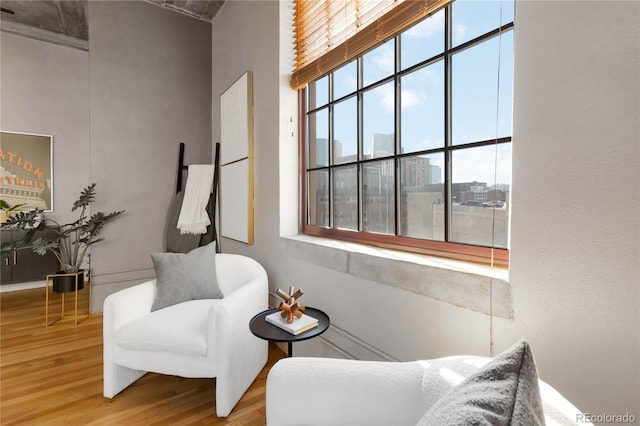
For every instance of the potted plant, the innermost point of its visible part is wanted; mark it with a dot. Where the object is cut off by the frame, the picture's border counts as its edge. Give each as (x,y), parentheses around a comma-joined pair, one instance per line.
(69,242)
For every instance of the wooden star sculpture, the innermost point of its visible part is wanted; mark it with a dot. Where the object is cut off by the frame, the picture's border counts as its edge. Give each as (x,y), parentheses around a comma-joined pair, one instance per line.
(289,305)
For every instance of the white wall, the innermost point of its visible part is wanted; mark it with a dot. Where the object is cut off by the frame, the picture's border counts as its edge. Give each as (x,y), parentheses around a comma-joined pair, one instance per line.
(575,227)
(45,90)
(574,269)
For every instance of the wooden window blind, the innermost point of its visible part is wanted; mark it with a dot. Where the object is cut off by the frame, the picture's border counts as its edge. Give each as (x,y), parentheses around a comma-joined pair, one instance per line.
(329,33)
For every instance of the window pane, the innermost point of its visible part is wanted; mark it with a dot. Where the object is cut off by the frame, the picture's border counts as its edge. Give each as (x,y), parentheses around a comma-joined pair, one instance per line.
(318,138)
(345,197)
(480,194)
(379,136)
(379,63)
(472,18)
(378,122)
(482,97)
(422,197)
(422,109)
(318,93)
(422,41)
(345,80)
(345,131)
(318,198)
(378,197)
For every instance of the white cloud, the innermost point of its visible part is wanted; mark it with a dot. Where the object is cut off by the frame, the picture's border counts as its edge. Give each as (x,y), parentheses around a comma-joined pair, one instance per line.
(428,144)
(429,77)
(347,84)
(428,27)
(459,31)
(387,97)
(431,74)
(479,164)
(408,98)
(385,59)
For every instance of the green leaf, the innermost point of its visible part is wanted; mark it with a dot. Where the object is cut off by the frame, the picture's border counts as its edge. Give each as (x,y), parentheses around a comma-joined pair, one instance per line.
(6,207)
(68,242)
(87,196)
(98,220)
(24,220)
(41,246)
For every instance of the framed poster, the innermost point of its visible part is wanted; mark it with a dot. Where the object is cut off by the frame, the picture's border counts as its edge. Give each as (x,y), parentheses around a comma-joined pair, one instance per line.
(236,160)
(26,170)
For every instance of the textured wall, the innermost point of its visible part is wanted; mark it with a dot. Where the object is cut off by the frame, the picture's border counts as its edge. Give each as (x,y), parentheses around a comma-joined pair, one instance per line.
(574,272)
(150,90)
(45,90)
(575,227)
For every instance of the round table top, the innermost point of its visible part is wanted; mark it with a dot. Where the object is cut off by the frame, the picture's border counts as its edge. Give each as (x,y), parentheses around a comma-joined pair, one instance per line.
(264,330)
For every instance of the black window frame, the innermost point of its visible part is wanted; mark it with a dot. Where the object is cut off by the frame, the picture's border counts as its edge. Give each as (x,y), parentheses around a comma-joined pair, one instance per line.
(463,251)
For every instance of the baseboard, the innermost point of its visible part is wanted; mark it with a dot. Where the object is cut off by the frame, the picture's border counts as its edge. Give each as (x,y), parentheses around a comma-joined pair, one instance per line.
(129,275)
(335,342)
(353,347)
(22,286)
(106,283)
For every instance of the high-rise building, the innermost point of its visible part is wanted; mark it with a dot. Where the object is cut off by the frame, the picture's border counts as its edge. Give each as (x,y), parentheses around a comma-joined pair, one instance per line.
(382,144)
(435,174)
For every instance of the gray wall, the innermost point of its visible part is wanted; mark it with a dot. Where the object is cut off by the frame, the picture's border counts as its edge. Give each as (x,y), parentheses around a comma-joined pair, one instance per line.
(45,90)
(117,114)
(150,90)
(574,260)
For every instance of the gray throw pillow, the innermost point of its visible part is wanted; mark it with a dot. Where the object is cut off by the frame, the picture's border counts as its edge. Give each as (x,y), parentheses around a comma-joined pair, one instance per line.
(181,277)
(503,392)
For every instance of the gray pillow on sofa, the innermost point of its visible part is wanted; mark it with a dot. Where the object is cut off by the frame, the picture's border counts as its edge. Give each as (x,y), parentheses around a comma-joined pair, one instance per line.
(181,277)
(503,392)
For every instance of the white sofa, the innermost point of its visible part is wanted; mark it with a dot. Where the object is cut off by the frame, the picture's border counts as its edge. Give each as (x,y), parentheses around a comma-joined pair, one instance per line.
(198,338)
(323,391)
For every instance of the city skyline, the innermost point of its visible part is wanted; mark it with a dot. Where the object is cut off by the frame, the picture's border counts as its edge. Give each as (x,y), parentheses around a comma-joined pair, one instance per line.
(386,116)
(481,92)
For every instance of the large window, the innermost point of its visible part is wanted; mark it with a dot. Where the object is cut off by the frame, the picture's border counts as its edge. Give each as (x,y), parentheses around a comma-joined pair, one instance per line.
(409,145)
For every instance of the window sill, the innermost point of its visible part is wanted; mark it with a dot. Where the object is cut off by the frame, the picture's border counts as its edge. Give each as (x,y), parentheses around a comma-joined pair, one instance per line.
(463,284)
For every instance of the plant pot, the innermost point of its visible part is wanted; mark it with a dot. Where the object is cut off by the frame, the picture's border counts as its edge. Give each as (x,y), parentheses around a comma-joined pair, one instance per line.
(67,283)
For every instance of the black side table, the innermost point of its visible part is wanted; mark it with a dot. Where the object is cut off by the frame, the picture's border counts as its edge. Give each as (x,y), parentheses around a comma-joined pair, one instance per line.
(264,330)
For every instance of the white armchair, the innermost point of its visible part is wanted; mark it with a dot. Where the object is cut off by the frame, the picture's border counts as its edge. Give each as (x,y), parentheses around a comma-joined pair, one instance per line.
(324,391)
(198,338)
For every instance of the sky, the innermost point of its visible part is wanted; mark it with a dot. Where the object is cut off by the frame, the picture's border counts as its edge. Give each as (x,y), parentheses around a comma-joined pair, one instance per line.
(481,92)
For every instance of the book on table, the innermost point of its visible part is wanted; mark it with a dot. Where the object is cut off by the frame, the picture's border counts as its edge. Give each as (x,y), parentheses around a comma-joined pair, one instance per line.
(304,323)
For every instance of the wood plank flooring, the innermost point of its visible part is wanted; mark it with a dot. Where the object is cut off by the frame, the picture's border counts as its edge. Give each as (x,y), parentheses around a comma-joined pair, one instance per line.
(53,376)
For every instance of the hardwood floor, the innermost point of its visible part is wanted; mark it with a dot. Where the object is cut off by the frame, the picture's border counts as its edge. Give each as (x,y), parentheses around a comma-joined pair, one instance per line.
(54,376)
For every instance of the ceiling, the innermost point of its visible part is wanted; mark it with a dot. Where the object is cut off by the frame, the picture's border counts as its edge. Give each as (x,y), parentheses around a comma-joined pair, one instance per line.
(65,21)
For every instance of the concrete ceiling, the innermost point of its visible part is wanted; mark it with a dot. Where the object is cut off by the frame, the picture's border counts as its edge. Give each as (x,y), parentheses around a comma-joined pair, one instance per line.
(65,21)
